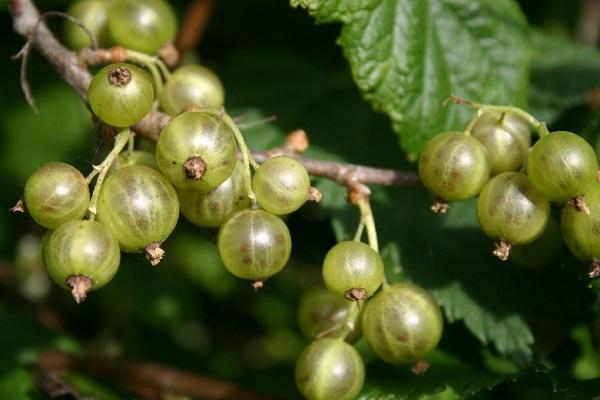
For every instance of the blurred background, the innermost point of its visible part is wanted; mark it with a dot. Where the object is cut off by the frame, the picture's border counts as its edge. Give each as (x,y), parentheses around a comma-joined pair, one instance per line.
(189,314)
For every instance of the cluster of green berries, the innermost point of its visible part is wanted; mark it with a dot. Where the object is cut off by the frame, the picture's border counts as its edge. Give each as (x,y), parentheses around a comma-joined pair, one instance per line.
(516,182)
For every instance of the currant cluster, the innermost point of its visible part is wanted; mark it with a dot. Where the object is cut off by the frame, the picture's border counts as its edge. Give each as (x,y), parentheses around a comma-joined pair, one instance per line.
(516,182)
(137,197)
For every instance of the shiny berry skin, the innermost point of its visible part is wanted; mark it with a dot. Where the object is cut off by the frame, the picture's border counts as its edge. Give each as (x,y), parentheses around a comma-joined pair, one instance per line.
(192,86)
(139,206)
(142,25)
(322,312)
(402,323)
(454,166)
(137,157)
(561,164)
(353,265)
(511,209)
(121,94)
(200,136)
(542,251)
(330,369)
(211,209)
(580,231)
(254,244)
(94,15)
(506,137)
(82,248)
(281,185)
(56,193)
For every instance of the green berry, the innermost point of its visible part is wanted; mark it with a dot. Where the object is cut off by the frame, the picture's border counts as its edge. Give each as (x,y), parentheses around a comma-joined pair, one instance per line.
(322,313)
(330,369)
(56,193)
(506,137)
(581,231)
(197,150)
(402,323)
(454,166)
(281,185)
(139,206)
(142,25)
(121,94)
(254,244)
(561,164)
(192,86)
(512,210)
(136,157)
(81,256)
(210,209)
(94,15)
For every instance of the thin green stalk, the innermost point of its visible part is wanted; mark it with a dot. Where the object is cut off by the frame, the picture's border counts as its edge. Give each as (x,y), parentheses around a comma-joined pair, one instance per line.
(539,126)
(246,157)
(101,170)
(359,231)
(150,63)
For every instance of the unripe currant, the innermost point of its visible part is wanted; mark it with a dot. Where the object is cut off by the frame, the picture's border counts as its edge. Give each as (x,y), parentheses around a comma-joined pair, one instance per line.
(140,207)
(402,323)
(93,14)
(353,269)
(454,166)
(136,157)
(56,193)
(506,137)
(121,94)
(197,150)
(192,86)
(322,313)
(254,245)
(561,164)
(142,25)
(281,185)
(581,232)
(211,209)
(81,256)
(512,211)
(330,369)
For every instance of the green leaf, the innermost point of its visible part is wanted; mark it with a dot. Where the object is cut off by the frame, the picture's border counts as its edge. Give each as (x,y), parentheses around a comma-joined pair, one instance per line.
(16,384)
(444,373)
(407,56)
(562,75)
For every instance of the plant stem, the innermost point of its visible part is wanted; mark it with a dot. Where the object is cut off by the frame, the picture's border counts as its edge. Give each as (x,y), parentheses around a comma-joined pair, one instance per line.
(121,141)
(359,231)
(150,63)
(366,216)
(539,126)
(246,156)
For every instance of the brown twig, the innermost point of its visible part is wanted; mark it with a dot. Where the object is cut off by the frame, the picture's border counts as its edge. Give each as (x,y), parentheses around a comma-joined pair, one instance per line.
(196,19)
(147,380)
(73,70)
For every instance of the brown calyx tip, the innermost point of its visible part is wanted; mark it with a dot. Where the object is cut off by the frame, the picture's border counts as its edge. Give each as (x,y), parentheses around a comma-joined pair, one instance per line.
(420,367)
(257,285)
(580,205)
(154,253)
(169,54)
(314,194)
(194,168)
(80,285)
(356,294)
(296,141)
(502,250)
(594,268)
(119,76)
(440,206)
(19,207)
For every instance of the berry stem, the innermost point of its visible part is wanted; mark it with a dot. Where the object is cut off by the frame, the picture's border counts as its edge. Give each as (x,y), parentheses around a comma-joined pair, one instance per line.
(348,324)
(366,216)
(151,63)
(539,126)
(130,144)
(101,170)
(359,231)
(246,156)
